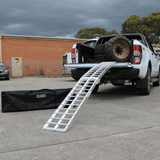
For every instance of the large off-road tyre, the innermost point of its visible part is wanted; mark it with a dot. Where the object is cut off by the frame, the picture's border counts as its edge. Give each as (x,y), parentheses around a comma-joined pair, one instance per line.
(100,58)
(147,80)
(99,49)
(99,55)
(118,49)
(157,83)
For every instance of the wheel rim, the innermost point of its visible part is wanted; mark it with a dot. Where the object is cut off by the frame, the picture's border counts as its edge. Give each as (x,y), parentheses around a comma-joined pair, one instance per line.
(121,49)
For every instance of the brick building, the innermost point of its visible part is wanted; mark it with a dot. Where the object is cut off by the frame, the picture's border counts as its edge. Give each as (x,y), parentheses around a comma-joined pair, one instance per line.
(34,55)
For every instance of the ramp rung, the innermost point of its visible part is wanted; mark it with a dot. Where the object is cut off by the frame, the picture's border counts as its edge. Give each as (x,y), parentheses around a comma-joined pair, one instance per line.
(53,129)
(63,124)
(61,118)
(66,109)
(76,97)
(65,104)
(65,113)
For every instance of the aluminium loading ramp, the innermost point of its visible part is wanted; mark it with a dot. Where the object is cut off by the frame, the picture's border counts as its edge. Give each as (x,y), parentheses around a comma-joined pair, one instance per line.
(62,119)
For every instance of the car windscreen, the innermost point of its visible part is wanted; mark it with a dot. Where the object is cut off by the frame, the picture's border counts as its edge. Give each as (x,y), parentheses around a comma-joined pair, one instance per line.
(2,65)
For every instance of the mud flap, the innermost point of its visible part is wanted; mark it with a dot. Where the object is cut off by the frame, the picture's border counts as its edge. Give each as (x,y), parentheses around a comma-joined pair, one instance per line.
(141,83)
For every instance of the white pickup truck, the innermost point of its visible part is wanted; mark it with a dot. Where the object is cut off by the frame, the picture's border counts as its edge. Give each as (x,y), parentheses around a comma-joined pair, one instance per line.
(136,61)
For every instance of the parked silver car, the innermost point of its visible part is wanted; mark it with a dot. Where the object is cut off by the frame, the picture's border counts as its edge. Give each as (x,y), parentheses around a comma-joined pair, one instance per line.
(4,72)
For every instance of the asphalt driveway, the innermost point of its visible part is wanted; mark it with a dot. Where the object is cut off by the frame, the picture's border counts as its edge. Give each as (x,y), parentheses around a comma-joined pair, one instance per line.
(114,124)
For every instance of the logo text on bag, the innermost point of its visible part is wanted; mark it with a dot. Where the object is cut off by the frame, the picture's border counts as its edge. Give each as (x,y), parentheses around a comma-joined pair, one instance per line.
(41,96)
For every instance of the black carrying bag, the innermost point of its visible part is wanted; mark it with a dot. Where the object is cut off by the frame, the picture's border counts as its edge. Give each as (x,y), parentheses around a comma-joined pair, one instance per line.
(32,100)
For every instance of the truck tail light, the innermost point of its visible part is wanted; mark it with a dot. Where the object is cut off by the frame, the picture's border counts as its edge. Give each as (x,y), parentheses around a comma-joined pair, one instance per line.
(73,55)
(137,54)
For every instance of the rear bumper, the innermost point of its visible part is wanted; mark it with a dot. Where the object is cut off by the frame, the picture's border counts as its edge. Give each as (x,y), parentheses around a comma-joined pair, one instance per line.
(122,73)
(112,74)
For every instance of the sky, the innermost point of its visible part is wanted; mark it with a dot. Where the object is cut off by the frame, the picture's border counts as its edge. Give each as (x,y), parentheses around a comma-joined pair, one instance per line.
(64,18)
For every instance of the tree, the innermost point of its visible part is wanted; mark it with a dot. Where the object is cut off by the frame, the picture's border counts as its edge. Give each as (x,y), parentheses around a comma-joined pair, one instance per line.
(153,24)
(147,25)
(132,24)
(88,33)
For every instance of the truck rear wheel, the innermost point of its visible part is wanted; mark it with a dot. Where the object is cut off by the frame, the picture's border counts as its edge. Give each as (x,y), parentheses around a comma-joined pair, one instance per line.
(147,89)
(118,49)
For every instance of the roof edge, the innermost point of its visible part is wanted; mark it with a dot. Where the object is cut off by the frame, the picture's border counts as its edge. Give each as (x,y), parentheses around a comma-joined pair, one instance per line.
(39,37)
